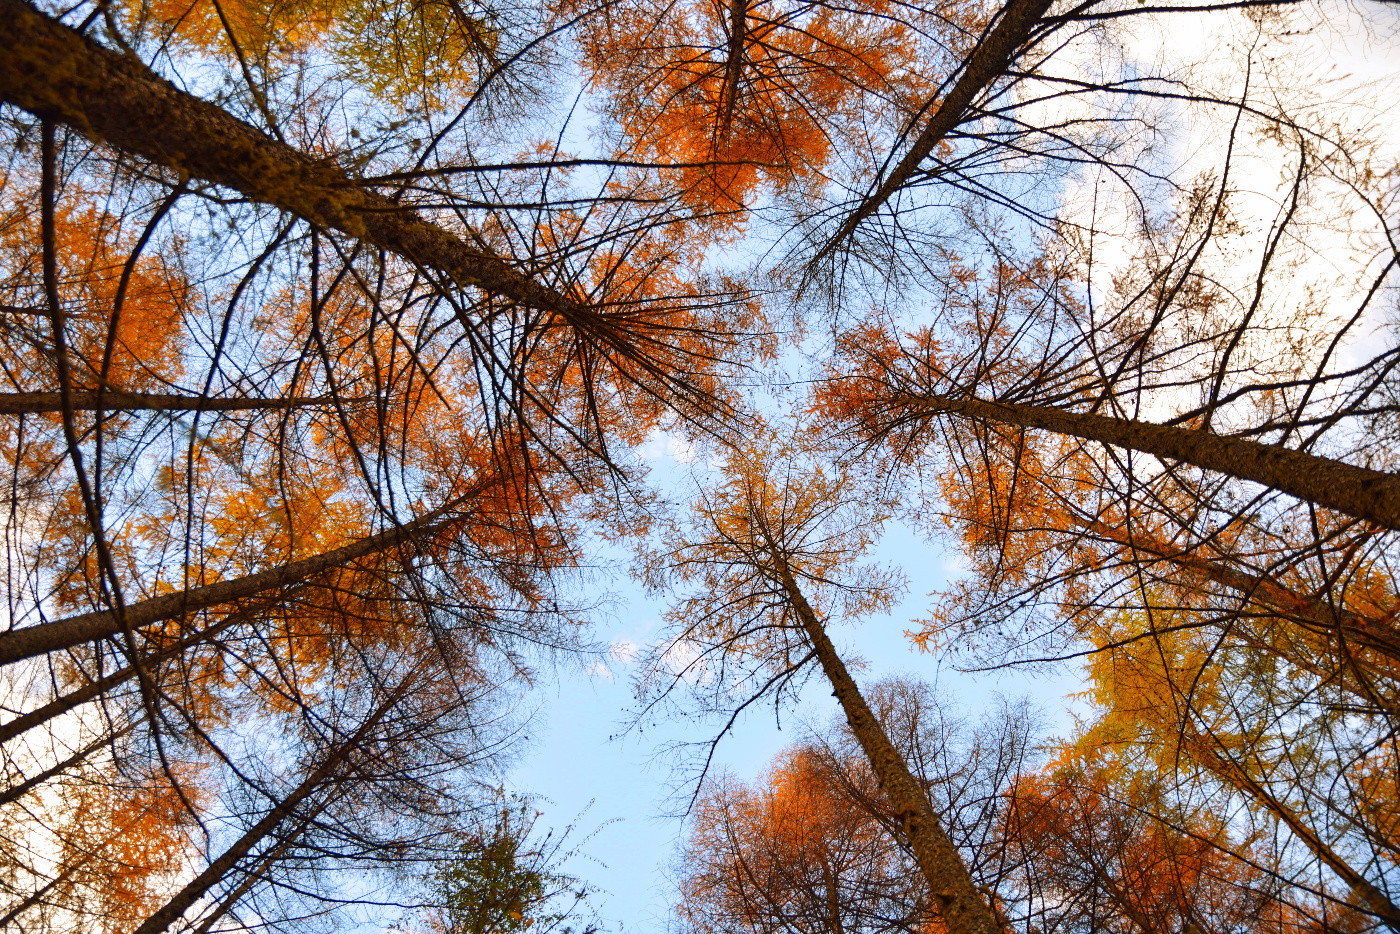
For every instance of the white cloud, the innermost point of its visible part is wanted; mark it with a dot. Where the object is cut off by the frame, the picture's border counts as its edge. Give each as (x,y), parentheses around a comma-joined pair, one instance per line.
(664,446)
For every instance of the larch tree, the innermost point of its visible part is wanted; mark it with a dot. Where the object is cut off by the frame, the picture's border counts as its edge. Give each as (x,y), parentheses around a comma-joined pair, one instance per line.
(769,555)
(324,356)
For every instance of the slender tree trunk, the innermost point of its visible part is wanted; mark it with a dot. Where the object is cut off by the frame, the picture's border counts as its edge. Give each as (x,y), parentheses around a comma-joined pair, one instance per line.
(962,906)
(94,689)
(15,792)
(219,869)
(1366,494)
(733,66)
(113,400)
(252,877)
(987,63)
(54,72)
(19,644)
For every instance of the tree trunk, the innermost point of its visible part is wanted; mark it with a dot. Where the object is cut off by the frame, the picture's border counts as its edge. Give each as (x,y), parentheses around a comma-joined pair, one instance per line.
(733,66)
(31,641)
(54,72)
(113,400)
(216,871)
(15,792)
(253,877)
(1372,495)
(987,63)
(94,689)
(962,906)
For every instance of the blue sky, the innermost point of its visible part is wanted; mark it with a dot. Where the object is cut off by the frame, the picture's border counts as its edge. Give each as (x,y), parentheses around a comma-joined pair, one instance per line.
(619,789)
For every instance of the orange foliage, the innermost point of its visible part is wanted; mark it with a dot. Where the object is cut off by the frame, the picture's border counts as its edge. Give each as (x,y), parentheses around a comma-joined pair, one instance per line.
(1093,844)
(92,247)
(124,843)
(769,101)
(800,850)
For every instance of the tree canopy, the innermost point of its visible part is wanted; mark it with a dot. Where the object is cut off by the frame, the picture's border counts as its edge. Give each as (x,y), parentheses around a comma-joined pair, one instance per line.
(333,334)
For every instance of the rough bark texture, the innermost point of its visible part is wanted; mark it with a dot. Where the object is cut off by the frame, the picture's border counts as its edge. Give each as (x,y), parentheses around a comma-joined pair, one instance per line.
(987,62)
(1366,494)
(31,641)
(53,72)
(733,66)
(115,400)
(219,869)
(962,906)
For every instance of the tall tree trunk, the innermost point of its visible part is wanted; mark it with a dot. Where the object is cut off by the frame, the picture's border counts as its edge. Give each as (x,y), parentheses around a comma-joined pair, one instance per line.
(54,72)
(31,641)
(253,876)
(962,906)
(1357,491)
(733,67)
(987,63)
(15,792)
(219,869)
(93,689)
(113,400)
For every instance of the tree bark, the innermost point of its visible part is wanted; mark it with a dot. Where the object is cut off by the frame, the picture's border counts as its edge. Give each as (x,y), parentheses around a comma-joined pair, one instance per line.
(115,400)
(1367,494)
(55,73)
(962,906)
(15,792)
(987,62)
(19,644)
(733,66)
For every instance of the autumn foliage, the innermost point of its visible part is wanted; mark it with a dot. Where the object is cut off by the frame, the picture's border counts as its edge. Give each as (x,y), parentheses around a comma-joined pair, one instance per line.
(339,338)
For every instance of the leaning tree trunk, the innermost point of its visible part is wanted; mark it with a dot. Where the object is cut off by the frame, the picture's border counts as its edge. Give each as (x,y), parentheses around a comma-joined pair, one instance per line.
(988,62)
(56,73)
(93,689)
(1357,491)
(15,792)
(219,869)
(1236,776)
(963,908)
(1314,613)
(19,644)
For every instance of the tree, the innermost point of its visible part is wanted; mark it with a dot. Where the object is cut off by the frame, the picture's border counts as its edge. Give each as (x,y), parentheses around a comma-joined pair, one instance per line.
(324,364)
(766,529)
(503,882)
(798,851)
(815,845)
(1222,763)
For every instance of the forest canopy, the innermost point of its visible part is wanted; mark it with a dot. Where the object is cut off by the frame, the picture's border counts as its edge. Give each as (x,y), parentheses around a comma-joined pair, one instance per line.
(335,334)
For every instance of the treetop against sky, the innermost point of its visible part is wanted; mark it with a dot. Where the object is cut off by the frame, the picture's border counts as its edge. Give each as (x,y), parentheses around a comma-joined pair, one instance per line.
(418,417)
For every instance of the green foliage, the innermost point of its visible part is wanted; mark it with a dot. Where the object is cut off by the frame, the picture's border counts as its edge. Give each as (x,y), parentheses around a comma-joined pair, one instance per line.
(503,883)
